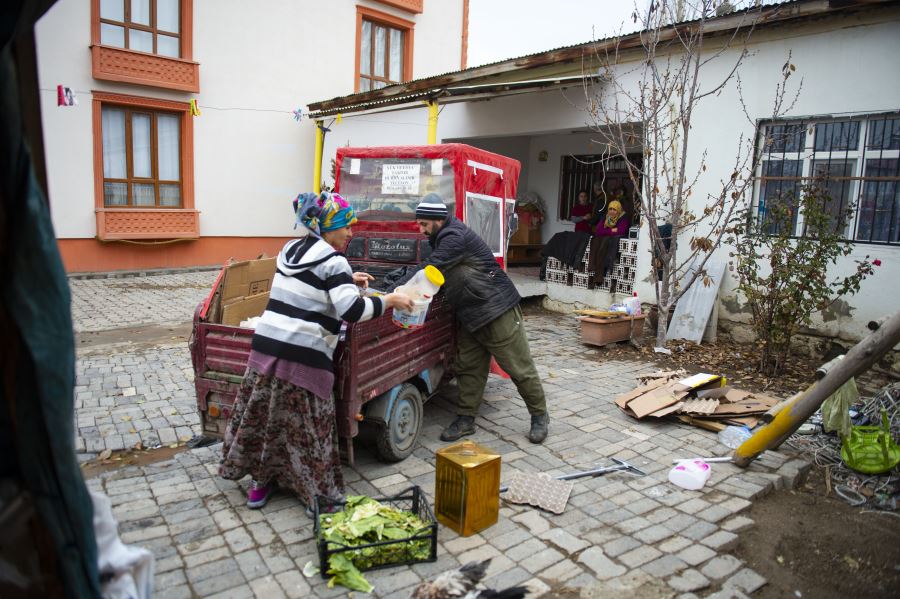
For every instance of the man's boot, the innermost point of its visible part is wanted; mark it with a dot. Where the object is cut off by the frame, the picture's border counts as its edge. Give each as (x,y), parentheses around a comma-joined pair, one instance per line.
(460,427)
(540,425)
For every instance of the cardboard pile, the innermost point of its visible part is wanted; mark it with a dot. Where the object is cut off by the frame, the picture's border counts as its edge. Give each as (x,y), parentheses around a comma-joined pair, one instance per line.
(242,291)
(702,400)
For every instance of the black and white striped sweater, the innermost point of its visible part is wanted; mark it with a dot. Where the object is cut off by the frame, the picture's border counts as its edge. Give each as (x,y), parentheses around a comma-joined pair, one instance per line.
(312,292)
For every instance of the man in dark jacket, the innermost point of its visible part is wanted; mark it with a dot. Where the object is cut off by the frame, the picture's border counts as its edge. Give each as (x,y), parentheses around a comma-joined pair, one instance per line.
(487,306)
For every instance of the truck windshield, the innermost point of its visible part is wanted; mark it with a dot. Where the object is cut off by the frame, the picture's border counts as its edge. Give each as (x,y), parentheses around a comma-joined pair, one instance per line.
(389,188)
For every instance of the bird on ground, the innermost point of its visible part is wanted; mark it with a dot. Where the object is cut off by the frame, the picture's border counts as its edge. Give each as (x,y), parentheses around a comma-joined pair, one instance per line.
(461,583)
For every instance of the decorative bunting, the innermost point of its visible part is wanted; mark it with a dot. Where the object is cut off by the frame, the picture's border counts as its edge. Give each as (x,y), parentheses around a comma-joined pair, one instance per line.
(298,114)
(195,109)
(65,96)
(337,119)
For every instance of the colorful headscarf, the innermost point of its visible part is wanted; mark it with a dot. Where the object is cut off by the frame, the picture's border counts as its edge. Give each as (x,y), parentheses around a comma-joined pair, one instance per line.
(326,212)
(610,223)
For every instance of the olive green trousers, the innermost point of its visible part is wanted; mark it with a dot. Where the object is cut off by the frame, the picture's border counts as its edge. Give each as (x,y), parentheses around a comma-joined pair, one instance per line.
(505,339)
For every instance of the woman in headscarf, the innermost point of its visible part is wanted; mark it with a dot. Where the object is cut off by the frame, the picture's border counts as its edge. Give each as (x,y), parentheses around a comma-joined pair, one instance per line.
(615,224)
(282,431)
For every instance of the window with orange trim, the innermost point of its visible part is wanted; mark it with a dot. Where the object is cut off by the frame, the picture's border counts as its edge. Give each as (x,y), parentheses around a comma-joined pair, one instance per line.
(144,25)
(141,157)
(147,42)
(383,49)
(143,168)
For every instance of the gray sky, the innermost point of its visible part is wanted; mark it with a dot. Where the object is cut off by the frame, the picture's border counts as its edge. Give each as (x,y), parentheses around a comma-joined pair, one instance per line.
(500,29)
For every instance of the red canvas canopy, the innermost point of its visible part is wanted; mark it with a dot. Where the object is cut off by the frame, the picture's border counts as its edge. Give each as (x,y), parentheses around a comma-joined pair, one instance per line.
(384,184)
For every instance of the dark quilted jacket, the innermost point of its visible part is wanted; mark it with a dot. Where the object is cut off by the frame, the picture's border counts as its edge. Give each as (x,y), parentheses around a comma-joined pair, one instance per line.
(475,285)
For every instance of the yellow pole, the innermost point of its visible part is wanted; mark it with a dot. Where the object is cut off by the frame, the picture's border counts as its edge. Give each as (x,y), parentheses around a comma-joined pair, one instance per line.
(317,159)
(432,121)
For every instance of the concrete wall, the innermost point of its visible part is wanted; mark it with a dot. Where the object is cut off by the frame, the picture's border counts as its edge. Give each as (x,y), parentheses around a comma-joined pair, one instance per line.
(258,62)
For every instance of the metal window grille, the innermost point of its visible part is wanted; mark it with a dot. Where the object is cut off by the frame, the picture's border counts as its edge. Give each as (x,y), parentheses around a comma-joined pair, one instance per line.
(858,158)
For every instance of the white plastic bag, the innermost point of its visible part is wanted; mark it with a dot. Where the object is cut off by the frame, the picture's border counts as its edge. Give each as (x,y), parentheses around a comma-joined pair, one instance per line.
(130,567)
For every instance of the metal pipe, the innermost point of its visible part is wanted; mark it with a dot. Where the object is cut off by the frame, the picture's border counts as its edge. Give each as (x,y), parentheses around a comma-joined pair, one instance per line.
(860,357)
(317,158)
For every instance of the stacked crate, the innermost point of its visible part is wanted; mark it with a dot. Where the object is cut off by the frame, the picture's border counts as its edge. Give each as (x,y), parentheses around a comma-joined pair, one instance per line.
(619,280)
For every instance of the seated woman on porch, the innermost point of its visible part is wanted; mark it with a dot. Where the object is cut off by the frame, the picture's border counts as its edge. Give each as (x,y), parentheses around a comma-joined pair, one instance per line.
(615,224)
(282,431)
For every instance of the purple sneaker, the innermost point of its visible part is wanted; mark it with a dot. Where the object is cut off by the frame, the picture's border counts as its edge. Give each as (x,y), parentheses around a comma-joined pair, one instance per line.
(258,494)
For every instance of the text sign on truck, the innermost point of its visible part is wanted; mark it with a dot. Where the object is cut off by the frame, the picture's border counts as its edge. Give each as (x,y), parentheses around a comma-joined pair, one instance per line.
(400,179)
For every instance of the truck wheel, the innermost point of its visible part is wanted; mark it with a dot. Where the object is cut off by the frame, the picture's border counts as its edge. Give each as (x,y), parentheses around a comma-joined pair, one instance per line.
(397,438)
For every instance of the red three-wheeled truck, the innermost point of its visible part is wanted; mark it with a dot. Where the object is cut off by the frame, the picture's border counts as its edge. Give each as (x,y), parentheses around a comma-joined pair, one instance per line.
(384,372)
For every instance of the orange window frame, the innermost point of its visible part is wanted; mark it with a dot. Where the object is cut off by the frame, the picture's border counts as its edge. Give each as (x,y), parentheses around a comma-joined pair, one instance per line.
(136,104)
(111,63)
(387,20)
(155,215)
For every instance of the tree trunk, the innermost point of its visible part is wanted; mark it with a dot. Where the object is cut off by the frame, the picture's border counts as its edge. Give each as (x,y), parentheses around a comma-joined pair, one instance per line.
(662,324)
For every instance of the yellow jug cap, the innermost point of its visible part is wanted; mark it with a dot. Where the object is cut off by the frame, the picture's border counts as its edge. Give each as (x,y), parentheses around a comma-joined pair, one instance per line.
(434,275)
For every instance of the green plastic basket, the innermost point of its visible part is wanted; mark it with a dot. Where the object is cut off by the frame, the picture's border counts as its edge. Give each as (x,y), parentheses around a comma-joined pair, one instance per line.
(870,449)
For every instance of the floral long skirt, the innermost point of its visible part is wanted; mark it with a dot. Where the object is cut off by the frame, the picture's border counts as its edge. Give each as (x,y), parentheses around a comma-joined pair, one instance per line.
(283,434)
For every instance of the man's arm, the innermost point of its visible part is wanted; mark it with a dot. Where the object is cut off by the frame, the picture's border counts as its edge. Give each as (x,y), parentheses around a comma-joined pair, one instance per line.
(449,253)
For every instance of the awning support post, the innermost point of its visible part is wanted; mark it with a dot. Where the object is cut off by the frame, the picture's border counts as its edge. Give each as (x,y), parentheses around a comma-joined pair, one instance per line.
(432,121)
(317,159)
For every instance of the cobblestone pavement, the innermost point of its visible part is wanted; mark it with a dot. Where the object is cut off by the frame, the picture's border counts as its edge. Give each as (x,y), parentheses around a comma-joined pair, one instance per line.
(617,529)
(108,303)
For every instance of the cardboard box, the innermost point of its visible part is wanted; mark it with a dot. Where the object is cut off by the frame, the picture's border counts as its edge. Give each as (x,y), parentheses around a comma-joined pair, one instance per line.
(243,308)
(600,331)
(247,278)
(243,291)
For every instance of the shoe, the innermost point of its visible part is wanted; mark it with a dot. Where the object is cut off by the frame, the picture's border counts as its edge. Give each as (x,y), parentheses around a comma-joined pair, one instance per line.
(330,509)
(460,427)
(258,495)
(540,425)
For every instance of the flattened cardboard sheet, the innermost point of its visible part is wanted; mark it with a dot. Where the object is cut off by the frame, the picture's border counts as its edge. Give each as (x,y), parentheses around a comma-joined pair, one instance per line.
(540,490)
(700,406)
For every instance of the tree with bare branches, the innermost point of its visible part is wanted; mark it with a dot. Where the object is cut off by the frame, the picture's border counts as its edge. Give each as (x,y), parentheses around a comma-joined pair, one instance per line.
(642,107)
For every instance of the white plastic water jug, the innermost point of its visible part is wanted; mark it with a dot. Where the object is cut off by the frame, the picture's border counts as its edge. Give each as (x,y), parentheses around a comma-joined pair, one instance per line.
(427,282)
(690,474)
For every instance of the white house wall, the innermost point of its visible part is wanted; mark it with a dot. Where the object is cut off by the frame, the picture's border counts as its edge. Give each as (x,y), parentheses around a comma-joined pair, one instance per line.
(258,62)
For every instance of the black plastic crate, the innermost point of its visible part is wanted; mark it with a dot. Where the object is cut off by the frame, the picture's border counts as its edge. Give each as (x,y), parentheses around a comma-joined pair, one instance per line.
(410,500)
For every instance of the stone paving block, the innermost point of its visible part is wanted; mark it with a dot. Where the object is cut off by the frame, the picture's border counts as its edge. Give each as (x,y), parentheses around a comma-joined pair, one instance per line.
(664,566)
(714,513)
(533,521)
(745,580)
(509,578)
(674,544)
(561,571)
(632,525)
(688,580)
(479,554)
(252,565)
(239,592)
(528,548)
(294,584)
(181,591)
(462,544)
(698,530)
(261,532)
(737,524)
(135,537)
(276,557)
(204,557)
(721,566)
(735,504)
(566,541)
(639,556)
(721,541)
(696,554)
(602,567)
(620,545)
(541,560)
(167,580)
(201,545)
(653,534)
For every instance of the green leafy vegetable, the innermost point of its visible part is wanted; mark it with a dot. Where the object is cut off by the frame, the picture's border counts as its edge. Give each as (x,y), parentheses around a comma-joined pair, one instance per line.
(362,522)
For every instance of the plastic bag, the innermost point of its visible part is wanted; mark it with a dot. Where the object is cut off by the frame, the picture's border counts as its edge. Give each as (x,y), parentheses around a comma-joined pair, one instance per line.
(733,436)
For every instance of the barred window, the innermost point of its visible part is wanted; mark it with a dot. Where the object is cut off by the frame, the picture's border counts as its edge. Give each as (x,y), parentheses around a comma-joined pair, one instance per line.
(858,160)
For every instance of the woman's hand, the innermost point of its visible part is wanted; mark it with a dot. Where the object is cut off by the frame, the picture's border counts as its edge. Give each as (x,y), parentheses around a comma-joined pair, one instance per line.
(362,279)
(399,300)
